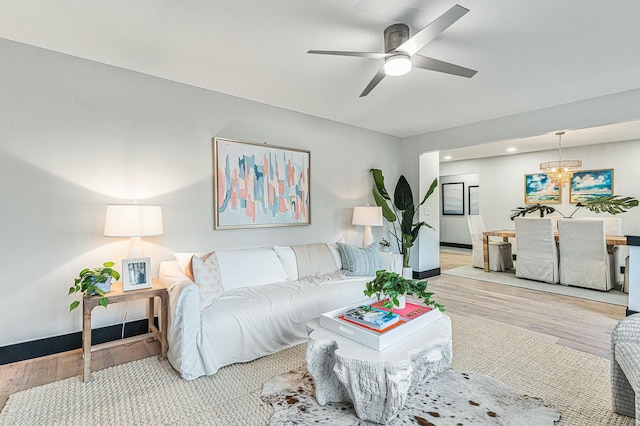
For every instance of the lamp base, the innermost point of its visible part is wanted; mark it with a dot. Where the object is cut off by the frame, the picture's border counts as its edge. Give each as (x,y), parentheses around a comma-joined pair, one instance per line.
(135,248)
(367,238)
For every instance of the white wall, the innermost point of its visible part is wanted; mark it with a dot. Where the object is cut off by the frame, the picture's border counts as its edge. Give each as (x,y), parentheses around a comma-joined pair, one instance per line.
(77,135)
(502,180)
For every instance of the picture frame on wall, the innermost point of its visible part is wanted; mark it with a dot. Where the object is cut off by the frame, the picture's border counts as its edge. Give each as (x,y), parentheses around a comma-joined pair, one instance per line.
(259,185)
(474,199)
(589,185)
(538,189)
(136,273)
(453,199)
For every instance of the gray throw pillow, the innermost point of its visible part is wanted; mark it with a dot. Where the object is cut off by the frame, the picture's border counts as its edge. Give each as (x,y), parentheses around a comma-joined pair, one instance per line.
(359,261)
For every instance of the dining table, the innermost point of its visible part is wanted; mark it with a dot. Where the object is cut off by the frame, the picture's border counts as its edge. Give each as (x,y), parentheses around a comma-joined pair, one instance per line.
(612,240)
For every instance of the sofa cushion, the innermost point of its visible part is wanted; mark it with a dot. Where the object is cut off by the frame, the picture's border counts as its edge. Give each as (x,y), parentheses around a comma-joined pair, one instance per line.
(250,267)
(288,258)
(359,261)
(314,260)
(206,275)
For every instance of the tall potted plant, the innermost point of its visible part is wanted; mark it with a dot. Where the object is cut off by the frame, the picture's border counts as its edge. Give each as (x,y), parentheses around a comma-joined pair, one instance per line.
(401,213)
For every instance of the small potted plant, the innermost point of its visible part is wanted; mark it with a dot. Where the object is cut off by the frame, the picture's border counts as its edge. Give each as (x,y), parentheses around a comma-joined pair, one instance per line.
(396,287)
(385,246)
(94,281)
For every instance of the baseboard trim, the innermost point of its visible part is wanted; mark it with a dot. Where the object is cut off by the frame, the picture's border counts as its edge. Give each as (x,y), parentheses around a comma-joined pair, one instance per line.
(457,245)
(68,342)
(420,275)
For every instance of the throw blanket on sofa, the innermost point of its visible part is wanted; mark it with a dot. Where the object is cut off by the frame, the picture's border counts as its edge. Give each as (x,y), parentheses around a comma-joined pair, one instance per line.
(314,259)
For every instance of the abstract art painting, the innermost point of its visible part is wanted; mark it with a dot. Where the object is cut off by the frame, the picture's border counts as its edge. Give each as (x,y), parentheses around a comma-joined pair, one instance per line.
(590,185)
(453,198)
(259,185)
(474,199)
(538,189)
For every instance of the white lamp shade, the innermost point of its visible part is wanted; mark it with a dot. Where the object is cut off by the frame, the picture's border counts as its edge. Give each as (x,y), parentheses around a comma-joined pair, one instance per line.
(367,215)
(133,220)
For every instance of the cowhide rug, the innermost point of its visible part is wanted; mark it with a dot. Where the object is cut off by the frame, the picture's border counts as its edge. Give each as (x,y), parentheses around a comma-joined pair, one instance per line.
(451,398)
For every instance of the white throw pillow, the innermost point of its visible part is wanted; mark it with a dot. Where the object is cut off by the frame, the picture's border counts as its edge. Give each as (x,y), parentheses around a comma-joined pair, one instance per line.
(207,277)
(289,262)
(333,246)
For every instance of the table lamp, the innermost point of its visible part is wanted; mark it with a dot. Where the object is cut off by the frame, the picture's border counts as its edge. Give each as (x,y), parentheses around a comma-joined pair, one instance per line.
(368,216)
(133,221)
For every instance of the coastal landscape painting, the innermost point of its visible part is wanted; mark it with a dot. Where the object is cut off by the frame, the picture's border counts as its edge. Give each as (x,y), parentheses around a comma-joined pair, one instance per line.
(590,185)
(538,189)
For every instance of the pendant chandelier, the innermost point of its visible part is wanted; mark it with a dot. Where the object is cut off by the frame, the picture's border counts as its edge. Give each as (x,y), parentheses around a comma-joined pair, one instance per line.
(561,171)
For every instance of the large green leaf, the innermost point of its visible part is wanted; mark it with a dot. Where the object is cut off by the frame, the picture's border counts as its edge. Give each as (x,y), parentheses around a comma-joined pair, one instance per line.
(432,188)
(407,220)
(402,196)
(378,179)
(614,204)
(381,202)
(416,229)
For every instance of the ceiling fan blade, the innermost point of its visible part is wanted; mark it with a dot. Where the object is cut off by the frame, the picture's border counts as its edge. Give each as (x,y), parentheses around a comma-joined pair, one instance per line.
(371,55)
(374,82)
(431,64)
(433,30)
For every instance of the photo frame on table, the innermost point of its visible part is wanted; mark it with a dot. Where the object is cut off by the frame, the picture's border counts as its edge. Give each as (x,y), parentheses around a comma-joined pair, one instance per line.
(474,199)
(453,198)
(136,273)
(538,189)
(589,185)
(258,185)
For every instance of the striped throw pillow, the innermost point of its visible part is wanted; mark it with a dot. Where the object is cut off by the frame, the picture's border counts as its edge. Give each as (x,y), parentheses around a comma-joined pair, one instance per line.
(359,261)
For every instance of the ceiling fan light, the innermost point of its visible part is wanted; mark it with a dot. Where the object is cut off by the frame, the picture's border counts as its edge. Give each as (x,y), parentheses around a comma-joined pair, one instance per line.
(398,64)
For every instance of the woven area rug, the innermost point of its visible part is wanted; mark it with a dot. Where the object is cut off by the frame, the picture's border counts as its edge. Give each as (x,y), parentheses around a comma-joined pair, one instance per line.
(614,297)
(149,392)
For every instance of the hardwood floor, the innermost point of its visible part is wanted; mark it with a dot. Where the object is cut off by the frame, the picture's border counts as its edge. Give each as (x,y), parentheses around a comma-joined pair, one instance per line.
(579,324)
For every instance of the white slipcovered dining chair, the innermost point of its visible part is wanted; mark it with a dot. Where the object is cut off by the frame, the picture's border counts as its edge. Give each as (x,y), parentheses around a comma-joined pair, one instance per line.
(500,257)
(584,261)
(537,252)
(612,226)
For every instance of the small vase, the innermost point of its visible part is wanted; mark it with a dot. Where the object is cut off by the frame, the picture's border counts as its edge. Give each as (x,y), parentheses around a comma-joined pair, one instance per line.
(402,300)
(407,273)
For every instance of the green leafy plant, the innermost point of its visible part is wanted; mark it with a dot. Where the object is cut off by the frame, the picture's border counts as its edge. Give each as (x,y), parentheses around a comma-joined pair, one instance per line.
(392,285)
(401,214)
(614,204)
(88,280)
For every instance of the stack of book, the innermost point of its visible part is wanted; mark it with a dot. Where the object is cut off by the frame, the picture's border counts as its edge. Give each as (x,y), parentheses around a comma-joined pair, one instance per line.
(372,318)
(410,311)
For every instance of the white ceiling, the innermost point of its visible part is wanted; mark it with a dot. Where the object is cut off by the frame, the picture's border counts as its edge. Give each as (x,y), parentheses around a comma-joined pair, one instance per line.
(529,54)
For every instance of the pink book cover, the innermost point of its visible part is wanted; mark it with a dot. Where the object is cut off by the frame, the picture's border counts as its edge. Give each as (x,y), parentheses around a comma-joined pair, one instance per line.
(410,311)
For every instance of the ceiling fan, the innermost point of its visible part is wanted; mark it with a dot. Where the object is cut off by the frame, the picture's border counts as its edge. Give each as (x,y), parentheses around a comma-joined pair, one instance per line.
(401,51)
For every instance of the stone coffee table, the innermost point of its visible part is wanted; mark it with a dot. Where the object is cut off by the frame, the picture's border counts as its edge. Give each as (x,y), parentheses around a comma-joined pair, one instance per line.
(376,382)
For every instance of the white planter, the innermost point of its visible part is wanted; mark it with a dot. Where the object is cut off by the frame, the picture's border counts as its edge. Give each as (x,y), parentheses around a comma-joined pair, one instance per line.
(407,273)
(402,300)
(105,286)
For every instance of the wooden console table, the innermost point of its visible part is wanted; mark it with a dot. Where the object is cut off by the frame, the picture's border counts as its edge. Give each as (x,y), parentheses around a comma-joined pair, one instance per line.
(117,295)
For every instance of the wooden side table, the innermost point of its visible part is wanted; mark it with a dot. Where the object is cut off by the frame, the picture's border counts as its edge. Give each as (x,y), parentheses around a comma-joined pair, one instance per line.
(117,295)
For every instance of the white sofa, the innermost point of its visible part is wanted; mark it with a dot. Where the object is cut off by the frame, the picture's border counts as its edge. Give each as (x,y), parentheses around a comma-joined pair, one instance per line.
(264,307)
